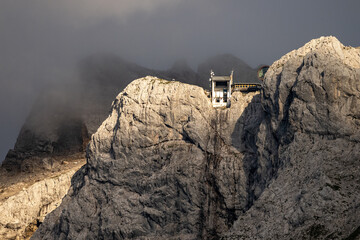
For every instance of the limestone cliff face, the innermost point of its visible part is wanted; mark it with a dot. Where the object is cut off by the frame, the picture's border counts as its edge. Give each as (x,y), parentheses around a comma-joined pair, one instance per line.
(165,164)
(283,164)
(22,212)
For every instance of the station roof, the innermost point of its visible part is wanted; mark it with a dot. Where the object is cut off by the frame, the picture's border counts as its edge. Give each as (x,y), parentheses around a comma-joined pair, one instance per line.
(221,78)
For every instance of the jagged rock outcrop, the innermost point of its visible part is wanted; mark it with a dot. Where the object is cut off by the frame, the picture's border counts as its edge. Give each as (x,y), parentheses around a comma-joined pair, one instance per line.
(23,212)
(283,165)
(165,164)
(311,98)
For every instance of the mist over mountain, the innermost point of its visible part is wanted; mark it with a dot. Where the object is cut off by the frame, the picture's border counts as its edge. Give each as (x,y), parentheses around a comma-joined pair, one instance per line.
(70,114)
(43,40)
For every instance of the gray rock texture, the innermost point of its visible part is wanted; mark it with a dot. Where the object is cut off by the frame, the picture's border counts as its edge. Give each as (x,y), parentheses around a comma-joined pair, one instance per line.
(29,206)
(283,164)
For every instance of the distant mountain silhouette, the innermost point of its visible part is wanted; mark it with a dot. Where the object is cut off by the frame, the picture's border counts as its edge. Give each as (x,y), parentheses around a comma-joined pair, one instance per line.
(223,65)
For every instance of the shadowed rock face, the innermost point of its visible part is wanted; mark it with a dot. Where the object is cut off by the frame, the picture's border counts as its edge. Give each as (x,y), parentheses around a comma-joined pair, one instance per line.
(311,98)
(22,212)
(166,165)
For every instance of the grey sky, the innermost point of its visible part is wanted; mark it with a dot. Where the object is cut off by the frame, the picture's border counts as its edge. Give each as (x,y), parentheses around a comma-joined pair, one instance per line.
(41,40)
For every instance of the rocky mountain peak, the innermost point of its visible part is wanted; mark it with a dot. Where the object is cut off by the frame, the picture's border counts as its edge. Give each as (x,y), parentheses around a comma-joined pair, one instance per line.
(326,45)
(322,76)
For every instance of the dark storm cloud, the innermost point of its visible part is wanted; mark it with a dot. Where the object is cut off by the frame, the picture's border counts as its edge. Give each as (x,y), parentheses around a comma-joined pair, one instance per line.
(41,40)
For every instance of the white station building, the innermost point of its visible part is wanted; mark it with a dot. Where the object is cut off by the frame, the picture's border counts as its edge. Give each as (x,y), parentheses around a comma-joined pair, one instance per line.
(221,89)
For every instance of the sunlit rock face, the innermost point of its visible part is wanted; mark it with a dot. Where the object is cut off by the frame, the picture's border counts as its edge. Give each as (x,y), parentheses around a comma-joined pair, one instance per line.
(21,213)
(277,165)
